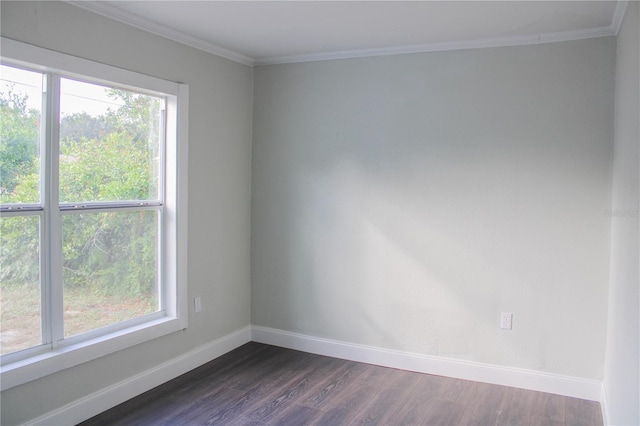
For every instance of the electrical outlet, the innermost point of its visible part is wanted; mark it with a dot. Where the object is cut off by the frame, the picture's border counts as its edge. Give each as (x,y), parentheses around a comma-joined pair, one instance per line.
(197,303)
(506,320)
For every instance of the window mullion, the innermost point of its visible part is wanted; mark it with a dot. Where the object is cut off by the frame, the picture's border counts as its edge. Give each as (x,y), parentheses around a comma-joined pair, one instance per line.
(163,286)
(53,220)
(45,293)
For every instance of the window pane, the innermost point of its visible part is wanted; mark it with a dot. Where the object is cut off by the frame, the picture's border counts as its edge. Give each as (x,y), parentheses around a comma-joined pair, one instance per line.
(20,112)
(109,144)
(19,283)
(110,263)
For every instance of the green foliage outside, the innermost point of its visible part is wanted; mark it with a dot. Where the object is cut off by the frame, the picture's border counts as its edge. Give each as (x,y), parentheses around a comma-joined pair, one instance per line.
(19,147)
(19,182)
(111,157)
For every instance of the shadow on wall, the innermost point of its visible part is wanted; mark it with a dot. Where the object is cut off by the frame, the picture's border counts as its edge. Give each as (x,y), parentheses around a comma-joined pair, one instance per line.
(406,206)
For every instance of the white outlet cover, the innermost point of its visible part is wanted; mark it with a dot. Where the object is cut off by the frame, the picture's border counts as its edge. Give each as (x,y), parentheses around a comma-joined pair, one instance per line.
(506,320)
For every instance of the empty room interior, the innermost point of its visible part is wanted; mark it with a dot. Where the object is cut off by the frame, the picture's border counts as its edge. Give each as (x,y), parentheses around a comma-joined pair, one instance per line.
(447,188)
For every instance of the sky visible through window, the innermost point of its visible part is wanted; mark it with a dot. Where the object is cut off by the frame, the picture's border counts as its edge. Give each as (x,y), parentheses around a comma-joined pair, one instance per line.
(79,97)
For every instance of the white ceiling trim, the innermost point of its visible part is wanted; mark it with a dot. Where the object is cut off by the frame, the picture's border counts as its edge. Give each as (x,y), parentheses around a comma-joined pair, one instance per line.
(618,15)
(180,37)
(151,27)
(439,47)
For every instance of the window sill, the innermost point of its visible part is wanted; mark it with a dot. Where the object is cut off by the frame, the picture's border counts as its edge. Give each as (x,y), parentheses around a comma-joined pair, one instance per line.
(35,367)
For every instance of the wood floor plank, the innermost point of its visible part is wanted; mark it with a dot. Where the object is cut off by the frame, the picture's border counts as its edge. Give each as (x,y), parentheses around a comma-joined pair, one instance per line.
(201,410)
(187,383)
(347,403)
(152,414)
(443,412)
(210,384)
(243,421)
(548,406)
(248,376)
(516,407)
(385,403)
(452,390)
(536,420)
(265,383)
(483,407)
(213,392)
(298,386)
(296,415)
(262,385)
(333,384)
(419,401)
(345,410)
(225,366)
(579,412)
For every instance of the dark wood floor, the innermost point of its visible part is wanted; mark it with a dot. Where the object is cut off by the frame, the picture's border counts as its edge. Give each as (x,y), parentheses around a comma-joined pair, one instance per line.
(258,384)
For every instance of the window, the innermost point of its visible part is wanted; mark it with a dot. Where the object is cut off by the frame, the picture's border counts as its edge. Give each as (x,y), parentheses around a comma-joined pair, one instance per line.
(92,210)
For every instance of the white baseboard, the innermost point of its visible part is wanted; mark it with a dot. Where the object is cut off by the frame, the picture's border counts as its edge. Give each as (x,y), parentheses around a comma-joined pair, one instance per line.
(499,375)
(604,406)
(97,402)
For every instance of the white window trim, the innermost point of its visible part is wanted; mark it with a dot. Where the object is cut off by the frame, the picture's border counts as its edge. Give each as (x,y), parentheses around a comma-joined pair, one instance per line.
(176,214)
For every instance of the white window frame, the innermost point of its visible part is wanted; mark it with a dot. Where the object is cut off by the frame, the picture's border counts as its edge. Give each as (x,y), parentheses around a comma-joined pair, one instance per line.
(48,359)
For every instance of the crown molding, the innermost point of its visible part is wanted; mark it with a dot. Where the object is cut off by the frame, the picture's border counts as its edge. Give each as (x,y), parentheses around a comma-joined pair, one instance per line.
(151,27)
(117,14)
(439,47)
(618,15)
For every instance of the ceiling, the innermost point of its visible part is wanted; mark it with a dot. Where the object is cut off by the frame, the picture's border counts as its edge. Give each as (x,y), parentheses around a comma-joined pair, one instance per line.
(266,32)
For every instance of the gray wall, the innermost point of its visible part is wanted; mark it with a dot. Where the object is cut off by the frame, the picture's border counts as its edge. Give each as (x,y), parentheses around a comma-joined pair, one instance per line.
(219,188)
(405,201)
(622,379)
(401,202)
